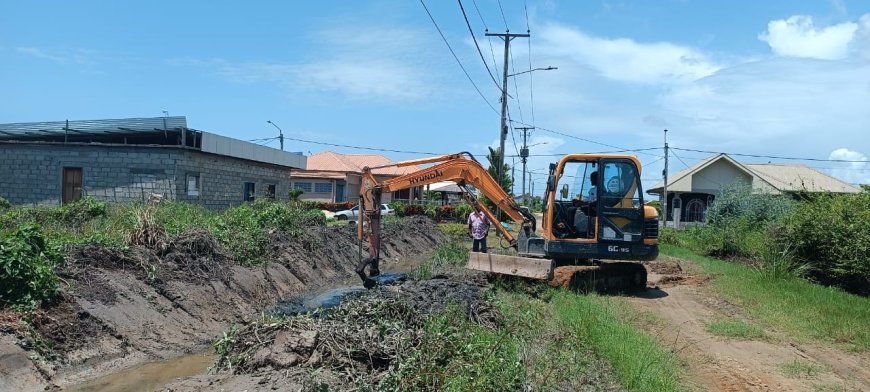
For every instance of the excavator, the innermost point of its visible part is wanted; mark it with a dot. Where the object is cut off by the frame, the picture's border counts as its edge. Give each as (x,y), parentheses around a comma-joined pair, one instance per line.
(594,231)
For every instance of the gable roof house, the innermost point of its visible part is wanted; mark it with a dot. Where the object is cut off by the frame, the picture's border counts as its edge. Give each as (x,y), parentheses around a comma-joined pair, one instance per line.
(334,177)
(692,190)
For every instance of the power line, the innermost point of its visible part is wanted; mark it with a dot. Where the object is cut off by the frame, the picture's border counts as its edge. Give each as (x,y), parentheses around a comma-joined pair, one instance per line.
(583,139)
(485,63)
(596,152)
(361,147)
(502,15)
(773,157)
(457,57)
(491,51)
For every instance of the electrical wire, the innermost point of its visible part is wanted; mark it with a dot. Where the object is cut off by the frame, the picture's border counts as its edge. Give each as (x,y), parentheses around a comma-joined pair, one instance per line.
(502,16)
(361,147)
(471,31)
(587,140)
(457,57)
(772,157)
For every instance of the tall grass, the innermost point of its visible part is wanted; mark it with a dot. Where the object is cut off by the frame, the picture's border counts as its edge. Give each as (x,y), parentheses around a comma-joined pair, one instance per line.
(637,358)
(804,310)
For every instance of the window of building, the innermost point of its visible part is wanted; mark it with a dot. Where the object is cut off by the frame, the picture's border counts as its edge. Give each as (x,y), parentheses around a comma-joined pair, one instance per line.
(305,186)
(193,184)
(695,210)
(323,187)
(72,184)
(270,191)
(249,191)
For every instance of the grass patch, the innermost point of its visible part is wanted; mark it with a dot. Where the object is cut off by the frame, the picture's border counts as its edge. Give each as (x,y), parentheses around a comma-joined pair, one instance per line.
(639,361)
(805,311)
(800,369)
(737,329)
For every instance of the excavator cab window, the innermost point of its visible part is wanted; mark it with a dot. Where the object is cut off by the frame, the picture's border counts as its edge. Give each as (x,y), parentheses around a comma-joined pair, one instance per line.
(576,207)
(621,205)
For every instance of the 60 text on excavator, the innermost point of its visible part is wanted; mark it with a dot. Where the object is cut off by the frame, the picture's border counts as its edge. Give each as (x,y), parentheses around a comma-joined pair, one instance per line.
(595,224)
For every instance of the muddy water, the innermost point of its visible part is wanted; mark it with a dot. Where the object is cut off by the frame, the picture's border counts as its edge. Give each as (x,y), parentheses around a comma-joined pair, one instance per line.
(150,376)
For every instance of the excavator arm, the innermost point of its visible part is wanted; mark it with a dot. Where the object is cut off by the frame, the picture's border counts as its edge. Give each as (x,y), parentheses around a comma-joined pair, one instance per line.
(454,167)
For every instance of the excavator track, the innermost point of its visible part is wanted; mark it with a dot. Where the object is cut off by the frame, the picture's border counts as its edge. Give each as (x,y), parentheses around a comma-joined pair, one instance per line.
(604,277)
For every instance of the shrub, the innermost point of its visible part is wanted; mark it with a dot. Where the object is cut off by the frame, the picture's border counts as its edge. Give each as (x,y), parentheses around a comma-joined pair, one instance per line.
(830,233)
(462,212)
(737,201)
(27,276)
(295,193)
(4,203)
(80,211)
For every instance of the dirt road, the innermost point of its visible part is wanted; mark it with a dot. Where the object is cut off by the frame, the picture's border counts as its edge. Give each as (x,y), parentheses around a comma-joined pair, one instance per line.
(684,308)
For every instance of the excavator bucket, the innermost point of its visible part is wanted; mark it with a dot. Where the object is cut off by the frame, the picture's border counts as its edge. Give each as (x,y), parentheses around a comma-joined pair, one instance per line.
(526,267)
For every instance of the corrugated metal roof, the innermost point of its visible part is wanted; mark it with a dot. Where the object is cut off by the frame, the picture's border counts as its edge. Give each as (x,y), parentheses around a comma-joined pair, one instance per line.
(354,163)
(781,177)
(800,178)
(13,131)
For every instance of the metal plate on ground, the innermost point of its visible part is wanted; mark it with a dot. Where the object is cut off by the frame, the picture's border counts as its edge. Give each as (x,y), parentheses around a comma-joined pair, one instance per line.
(527,267)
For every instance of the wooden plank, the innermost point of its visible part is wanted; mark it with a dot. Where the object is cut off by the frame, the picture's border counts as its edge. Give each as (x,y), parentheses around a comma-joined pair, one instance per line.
(510,265)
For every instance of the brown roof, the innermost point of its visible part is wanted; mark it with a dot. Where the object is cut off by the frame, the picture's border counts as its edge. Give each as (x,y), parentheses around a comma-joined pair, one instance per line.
(354,163)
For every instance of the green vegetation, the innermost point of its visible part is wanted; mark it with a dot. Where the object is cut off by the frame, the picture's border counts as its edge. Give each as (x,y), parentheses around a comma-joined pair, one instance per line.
(737,329)
(4,203)
(805,311)
(640,363)
(32,238)
(457,354)
(27,263)
(822,237)
(797,369)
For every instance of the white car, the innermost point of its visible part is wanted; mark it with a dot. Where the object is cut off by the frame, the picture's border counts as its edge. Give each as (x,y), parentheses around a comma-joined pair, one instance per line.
(353,213)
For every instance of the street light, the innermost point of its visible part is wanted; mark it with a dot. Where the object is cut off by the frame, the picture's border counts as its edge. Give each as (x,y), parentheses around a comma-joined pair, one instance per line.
(536,69)
(280,133)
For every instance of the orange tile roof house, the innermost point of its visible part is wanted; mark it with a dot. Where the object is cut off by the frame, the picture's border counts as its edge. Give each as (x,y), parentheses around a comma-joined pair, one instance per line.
(334,177)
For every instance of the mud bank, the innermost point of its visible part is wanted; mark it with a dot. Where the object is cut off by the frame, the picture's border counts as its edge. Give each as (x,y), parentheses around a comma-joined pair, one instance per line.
(122,309)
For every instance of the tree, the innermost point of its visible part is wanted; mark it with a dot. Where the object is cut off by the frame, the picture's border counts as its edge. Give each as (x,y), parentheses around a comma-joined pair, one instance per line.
(506,182)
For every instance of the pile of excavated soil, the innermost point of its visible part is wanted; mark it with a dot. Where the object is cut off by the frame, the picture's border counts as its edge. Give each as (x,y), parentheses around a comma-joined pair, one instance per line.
(122,308)
(356,343)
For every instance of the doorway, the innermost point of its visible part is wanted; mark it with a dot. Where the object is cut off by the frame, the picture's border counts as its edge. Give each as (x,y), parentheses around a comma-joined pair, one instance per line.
(72,184)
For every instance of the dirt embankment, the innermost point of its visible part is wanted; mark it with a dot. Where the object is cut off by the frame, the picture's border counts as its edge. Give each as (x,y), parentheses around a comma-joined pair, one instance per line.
(120,309)
(686,309)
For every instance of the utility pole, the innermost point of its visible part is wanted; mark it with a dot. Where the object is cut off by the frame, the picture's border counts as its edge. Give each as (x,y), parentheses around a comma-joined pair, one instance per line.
(507,37)
(524,154)
(665,188)
(280,133)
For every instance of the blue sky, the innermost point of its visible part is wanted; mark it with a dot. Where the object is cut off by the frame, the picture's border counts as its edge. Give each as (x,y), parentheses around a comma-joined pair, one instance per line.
(782,78)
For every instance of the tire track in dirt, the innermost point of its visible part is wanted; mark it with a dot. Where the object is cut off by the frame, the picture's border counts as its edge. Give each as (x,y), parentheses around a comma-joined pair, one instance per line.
(723,364)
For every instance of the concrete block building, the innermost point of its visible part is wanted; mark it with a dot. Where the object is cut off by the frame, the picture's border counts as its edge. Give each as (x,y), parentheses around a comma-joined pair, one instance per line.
(123,160)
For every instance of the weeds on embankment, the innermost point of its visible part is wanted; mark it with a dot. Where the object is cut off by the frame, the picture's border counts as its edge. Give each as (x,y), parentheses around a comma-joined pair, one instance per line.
(804,310)
(35,238)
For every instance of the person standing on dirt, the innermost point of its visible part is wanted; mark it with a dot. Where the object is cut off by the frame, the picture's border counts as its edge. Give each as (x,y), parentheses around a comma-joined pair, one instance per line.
(478,227)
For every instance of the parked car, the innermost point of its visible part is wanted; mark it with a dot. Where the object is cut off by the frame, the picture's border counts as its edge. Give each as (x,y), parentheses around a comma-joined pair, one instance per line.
(353,213)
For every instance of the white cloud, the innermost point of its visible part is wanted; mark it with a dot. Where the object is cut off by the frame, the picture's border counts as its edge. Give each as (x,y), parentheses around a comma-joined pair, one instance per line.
(798,36)
(385,64)
(853,172)
(624,59)
(39,53)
